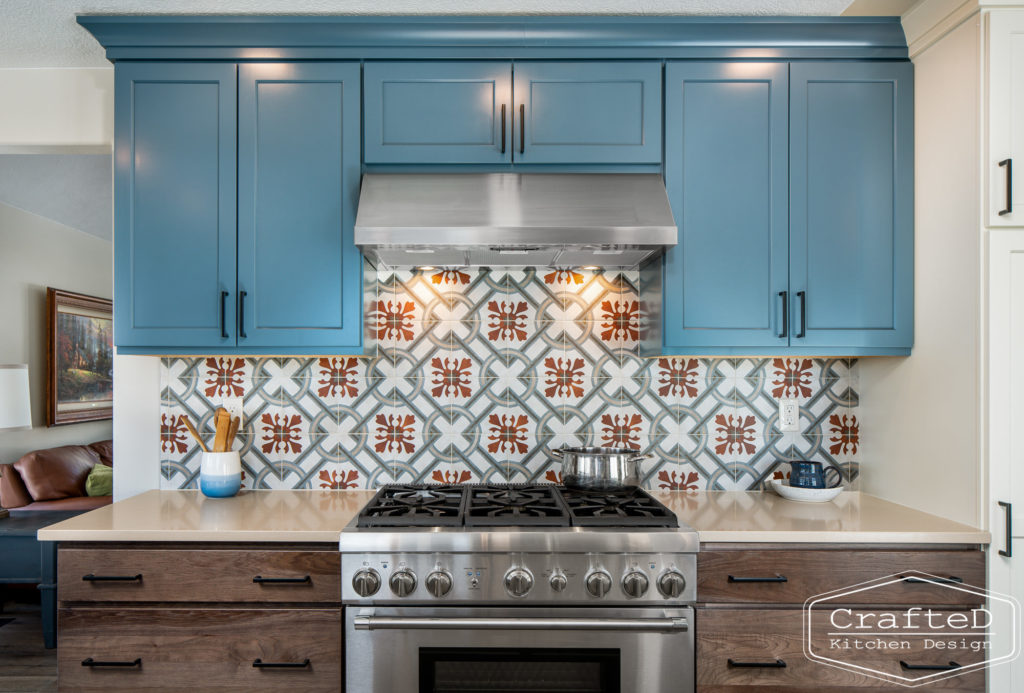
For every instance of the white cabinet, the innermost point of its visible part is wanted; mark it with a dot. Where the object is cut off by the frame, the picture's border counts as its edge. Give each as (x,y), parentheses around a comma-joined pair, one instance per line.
(1005,88)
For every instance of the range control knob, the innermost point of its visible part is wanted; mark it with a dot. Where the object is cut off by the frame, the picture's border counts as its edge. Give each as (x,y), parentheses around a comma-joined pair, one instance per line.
(634,584)
(402,582)
(366,582)
(518,582)
(671,584)
(598,583)
(438,583)
(558,581)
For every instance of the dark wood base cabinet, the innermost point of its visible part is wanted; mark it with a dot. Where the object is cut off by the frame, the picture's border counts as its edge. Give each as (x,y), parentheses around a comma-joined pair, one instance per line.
(199,617)
(750,621)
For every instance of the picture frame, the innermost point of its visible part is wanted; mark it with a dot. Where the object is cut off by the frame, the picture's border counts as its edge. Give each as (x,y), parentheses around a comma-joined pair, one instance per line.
(80,353)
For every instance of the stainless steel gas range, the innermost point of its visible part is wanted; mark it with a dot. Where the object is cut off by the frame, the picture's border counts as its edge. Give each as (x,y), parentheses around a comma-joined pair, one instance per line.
(525,588)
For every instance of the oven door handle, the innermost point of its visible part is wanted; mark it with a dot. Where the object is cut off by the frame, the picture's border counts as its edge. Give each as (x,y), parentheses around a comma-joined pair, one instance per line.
(363,622)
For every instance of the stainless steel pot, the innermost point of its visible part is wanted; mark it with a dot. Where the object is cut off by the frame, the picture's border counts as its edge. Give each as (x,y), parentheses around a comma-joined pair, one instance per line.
(600,468)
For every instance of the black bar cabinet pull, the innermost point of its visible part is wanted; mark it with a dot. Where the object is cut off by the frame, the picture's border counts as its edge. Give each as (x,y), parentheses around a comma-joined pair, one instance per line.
(283,580)
(241,313)
(802,295)
(502,128)
(112,578)
(90,662)
(951,580)
(1008,163)
(777,664)
(776,578)
(1008,541)
(929,667)
(784,295)
(260,664)
(522,128)
(223,315)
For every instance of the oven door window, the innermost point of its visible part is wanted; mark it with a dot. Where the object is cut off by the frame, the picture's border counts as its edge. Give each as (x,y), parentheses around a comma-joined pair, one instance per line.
(504,670)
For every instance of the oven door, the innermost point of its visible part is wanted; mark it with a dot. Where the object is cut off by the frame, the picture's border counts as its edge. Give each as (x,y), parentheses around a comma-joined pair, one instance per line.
(451,649)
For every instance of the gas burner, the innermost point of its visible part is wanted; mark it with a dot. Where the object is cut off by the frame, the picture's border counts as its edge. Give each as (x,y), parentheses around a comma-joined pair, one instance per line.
(514,505)
(622,508)
(414,506)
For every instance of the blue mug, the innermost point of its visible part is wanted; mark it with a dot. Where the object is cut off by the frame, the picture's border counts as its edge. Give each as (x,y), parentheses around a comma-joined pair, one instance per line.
(810,474)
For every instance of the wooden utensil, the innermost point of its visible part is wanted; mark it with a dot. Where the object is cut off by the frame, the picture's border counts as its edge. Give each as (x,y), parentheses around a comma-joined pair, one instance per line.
(221,422)
(195,434)
(233,430)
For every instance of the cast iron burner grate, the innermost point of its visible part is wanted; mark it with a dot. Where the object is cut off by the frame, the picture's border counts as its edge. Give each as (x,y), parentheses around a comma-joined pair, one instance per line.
(622,508)
(414,505)
(514,505)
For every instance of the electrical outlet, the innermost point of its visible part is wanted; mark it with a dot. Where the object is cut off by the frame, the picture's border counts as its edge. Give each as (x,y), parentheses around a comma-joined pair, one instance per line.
(789,414)
(234,407)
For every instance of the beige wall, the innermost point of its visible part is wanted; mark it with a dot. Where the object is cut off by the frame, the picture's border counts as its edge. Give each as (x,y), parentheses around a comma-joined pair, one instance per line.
(57,107)
(36,253)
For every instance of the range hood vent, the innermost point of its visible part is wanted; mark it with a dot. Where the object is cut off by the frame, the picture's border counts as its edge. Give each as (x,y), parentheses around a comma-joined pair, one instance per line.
(513,219)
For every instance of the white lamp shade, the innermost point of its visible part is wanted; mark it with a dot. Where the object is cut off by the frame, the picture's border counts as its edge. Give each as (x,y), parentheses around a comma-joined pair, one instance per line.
(15,405)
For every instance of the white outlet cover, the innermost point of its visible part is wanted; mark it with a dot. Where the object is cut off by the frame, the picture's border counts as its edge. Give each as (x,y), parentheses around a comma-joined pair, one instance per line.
(234,407)
(789,415)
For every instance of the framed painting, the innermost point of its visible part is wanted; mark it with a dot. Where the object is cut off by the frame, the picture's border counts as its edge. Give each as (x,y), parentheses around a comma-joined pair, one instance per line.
(80,358)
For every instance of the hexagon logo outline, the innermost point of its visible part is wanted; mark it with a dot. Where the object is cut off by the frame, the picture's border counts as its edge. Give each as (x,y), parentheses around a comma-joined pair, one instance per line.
(906,681)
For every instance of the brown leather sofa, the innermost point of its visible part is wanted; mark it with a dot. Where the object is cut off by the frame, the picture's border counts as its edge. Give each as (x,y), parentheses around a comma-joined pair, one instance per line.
(54,479)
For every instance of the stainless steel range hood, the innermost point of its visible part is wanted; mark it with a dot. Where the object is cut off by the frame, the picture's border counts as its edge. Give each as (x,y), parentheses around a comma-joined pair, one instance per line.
(513,219)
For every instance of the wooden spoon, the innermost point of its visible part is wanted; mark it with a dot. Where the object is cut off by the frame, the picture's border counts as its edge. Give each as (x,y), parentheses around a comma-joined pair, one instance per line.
(195,434)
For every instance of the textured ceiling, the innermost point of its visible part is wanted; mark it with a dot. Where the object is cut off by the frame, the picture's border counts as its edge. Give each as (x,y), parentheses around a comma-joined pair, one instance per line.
(43,33)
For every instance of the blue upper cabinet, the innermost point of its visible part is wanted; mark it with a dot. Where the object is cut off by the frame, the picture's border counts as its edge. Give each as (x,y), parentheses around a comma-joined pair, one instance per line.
(587,113)
(174,217)
(438,112)
(299,272)
(726,167)
(852,193)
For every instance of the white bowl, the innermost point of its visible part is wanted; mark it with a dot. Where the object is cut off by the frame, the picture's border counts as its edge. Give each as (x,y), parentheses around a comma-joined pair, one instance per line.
(808,495)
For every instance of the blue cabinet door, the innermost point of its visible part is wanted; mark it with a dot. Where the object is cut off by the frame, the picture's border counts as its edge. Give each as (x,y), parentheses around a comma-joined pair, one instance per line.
(726,162)
(852,193)
(587,113)
(174,214)
(438,112)
(299,272)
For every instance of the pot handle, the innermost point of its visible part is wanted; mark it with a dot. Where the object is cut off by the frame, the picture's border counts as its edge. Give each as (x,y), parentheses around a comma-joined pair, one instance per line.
(637,458)
(557,453)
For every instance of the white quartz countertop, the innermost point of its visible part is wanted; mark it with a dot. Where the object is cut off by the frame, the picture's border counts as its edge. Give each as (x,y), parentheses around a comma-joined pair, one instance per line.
(320,515)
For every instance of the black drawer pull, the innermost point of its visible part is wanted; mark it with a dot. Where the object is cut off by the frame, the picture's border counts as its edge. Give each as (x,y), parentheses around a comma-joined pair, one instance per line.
(929,667)
(951,580)
(90,662)
(260,664)
(112,578)
(1008,163)
(777,664)
(283,580)
(1008,541)
(777,578)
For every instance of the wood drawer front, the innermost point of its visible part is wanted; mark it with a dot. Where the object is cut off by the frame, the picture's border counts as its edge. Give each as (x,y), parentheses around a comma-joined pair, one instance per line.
(766,635)
(810,572)
(200,649)
(203,575)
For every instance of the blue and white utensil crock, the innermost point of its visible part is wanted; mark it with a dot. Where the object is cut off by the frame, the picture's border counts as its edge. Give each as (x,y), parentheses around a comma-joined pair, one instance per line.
(220,474)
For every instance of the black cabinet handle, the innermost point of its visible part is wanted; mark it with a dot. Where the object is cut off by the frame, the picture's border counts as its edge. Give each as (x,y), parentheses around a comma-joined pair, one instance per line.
(784,295)
(951,580)
(112,578)
(929,667)
(776,578)
(241,313)
(502,128)
(777,664)
(283,580)
(260,664)
(90,662)
(802,295)
(223,315)
(1008,163)
(522,128)
(1008,540)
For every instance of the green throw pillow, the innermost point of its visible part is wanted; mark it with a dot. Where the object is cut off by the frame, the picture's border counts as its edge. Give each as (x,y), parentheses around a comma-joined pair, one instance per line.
(100,481)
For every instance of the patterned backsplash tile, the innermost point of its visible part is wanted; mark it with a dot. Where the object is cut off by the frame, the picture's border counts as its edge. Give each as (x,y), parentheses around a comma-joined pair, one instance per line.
(479,373)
